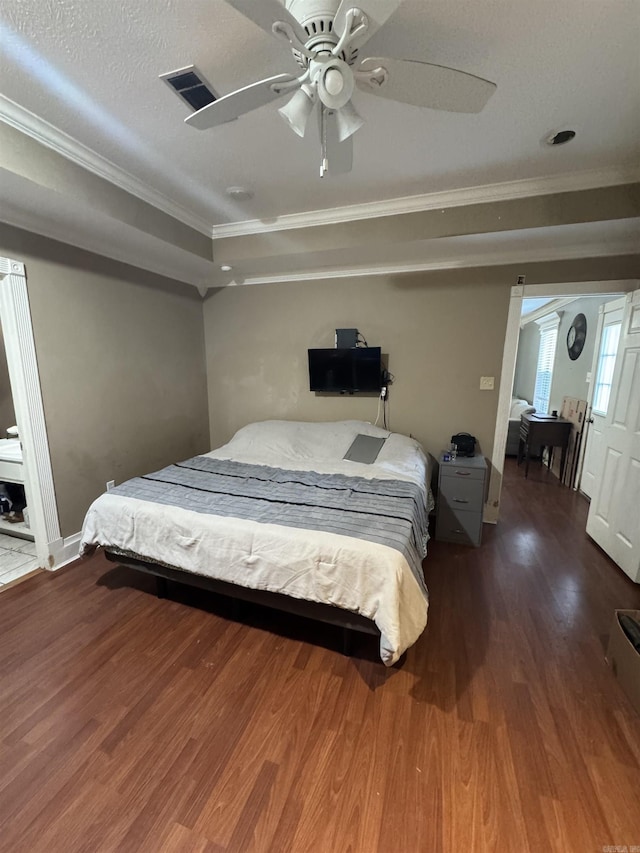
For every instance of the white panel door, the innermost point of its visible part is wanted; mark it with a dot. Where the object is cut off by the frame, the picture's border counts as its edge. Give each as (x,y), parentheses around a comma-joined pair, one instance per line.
(610,314)
(614,513)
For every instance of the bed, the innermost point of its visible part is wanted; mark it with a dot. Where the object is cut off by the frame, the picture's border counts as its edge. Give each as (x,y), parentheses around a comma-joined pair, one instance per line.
(278,512)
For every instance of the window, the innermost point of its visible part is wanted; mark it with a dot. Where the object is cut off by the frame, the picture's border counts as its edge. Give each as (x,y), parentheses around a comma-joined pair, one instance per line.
(606,363)
(546,356)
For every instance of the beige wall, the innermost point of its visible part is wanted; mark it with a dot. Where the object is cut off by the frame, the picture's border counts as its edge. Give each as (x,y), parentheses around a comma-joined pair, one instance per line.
(439,336)
(121,360)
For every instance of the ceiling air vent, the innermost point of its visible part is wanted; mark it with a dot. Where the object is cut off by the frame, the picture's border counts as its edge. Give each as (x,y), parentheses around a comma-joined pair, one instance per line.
(191,85)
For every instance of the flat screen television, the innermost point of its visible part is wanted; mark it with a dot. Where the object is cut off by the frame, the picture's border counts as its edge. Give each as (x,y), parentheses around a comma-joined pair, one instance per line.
(345,371)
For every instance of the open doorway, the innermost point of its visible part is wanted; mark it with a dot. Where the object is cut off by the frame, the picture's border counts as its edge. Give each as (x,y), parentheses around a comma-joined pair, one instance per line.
(559,363)
(564,291)
(17,541)
(31,463)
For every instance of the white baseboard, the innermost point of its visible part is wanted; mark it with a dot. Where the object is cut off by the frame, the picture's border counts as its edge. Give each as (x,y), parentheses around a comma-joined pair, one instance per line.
(490,514)
(64,551)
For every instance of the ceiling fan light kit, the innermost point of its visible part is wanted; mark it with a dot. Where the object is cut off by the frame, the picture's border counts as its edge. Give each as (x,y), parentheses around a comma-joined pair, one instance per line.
(348,121)
(299,109)
(325,37)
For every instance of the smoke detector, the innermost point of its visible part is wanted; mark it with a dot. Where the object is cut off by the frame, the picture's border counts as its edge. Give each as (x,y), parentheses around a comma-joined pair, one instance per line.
(239,193)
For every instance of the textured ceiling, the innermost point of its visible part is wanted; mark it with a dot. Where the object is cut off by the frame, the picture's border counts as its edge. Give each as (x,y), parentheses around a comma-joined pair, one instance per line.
(91,67)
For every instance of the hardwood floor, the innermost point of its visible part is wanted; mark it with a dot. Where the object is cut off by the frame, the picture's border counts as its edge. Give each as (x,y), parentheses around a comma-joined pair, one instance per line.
(131,723)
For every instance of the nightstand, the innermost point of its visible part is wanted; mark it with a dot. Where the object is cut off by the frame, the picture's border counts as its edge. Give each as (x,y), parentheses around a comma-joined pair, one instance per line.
(461,495)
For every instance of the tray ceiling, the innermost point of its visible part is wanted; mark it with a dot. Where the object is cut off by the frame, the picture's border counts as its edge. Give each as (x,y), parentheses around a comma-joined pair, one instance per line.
(91,69)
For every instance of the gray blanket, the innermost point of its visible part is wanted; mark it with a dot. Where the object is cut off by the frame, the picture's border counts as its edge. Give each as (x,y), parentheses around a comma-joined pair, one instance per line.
(389,512)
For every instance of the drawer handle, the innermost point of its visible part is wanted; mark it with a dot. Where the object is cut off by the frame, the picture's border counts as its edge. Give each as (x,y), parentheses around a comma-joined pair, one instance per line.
(457,530)
(460,501)
(463,473)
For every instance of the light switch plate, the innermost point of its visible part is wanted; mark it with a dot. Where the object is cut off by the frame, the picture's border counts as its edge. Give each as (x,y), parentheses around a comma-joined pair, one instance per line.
(486,383)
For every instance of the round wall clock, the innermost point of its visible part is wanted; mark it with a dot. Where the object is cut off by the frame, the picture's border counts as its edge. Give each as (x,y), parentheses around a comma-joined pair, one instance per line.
(576,336)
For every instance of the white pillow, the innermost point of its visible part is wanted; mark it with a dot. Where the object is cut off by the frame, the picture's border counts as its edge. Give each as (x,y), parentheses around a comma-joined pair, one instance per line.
(520,407)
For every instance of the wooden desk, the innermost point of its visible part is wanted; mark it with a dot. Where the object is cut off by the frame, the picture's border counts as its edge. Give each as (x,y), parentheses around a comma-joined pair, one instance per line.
(541,431)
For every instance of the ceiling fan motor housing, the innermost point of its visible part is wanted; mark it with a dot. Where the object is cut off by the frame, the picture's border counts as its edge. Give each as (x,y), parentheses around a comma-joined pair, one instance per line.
(307,10)
(316,17)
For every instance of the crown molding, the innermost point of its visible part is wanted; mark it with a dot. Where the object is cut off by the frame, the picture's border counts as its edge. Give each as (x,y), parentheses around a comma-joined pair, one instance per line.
(46,134)
(487,260)
(539,314)
(550,320)
(526,188)
(141,256)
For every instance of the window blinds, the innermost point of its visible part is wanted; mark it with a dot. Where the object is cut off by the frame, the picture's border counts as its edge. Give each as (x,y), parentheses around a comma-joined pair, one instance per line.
(544,370)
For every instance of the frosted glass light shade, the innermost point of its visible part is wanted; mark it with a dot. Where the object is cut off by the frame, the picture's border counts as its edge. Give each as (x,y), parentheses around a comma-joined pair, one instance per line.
(296,113)
(348,121)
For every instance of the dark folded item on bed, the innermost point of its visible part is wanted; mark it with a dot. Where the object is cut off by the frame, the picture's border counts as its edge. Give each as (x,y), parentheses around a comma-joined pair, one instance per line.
(364,448)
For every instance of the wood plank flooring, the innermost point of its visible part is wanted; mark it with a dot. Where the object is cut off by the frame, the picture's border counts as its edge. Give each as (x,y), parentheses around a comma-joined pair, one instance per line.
(130,723)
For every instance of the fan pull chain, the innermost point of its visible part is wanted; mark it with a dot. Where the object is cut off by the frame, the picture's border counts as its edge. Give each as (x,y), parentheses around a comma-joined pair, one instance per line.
(324,162)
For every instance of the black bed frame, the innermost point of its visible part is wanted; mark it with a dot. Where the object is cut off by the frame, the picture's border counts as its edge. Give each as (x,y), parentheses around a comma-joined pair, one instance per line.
(344,619)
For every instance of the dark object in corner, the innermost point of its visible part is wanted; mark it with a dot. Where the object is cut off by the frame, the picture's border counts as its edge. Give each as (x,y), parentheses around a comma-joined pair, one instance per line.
(631,628)
(465,443)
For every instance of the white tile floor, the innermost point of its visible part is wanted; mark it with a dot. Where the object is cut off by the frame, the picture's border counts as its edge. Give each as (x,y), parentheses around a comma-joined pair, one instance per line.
(17,558)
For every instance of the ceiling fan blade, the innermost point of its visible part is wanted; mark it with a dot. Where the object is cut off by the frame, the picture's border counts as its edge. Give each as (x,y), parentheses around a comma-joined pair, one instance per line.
(427,85)
(265,13)
(239,102)
(339,154)
(377,12)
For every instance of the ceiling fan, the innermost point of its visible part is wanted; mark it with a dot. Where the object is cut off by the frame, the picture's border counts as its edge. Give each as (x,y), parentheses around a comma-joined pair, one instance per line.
(326,37)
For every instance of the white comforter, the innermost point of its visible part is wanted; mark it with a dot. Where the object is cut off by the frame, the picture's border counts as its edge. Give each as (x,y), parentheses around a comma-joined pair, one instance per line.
(306,564)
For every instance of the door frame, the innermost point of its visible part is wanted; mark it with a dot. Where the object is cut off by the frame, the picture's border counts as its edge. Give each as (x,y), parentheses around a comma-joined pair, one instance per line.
(15,316)
(510,353)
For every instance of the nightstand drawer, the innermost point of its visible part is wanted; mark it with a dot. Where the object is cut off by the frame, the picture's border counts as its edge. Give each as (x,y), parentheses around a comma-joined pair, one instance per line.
(460,472)
(461,493)
(462,527)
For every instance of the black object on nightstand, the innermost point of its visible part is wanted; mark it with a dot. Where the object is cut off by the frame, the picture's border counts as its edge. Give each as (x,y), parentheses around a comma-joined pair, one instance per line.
(461,495)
